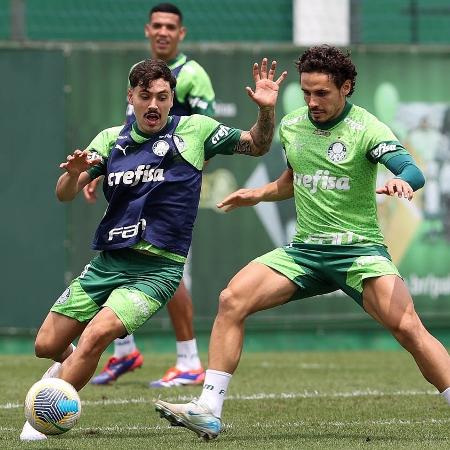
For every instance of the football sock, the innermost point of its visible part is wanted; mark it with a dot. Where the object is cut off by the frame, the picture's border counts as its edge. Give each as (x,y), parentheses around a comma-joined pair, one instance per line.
(446,395)
(123,347)
(187,356)
(214,389)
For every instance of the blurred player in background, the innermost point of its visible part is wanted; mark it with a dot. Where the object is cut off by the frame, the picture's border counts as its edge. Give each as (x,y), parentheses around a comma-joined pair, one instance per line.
(332,149)
(194,94)
(153,174)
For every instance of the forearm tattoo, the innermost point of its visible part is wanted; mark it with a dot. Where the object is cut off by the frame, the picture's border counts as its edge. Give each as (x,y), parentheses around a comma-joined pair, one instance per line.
(262,131)
(243,147)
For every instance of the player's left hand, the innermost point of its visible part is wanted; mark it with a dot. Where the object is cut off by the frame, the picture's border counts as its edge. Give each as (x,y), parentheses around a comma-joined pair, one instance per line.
(241,197)
(266,89)
(398,187)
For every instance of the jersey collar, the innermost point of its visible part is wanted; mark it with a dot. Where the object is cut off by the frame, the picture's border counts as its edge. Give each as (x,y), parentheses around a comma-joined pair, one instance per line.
(139,137)
(332,123)
(177,61)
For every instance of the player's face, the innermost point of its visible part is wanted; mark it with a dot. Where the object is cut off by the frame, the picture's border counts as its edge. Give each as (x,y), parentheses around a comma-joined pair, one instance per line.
(324,99)
(164,32)
(151,105)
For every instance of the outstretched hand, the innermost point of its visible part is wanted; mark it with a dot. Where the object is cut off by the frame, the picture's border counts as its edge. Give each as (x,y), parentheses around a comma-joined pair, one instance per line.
(398,187)
(242,197)
(266,89)
(80,161)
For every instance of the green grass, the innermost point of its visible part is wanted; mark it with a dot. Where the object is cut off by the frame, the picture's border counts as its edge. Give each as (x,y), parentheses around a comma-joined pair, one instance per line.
(339,400)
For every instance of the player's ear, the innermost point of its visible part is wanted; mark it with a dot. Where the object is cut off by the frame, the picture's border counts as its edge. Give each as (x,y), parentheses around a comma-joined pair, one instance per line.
(147,30)
(346,87)
(182,35)
(130,96)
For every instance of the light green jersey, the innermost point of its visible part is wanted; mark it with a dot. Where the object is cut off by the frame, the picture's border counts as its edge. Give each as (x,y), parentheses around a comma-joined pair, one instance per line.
(335,169)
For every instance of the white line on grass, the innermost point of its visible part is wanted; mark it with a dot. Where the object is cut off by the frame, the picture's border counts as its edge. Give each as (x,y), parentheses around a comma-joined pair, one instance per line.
(268,424)
(257,396)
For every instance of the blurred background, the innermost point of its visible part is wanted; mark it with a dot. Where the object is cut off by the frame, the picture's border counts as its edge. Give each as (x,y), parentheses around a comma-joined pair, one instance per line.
(64,67)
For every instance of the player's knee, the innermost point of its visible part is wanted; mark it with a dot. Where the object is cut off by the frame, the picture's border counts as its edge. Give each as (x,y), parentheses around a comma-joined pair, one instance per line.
(45,349)
(94,340)
(408,331)
(230,303)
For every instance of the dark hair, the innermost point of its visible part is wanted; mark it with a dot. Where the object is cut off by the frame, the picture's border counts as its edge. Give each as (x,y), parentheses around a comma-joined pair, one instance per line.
(329,60)
(166,8)
(144,72)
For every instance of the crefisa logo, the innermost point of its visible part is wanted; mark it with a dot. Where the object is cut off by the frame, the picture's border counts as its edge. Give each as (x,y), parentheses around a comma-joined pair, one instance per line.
(160,148)
(337,152)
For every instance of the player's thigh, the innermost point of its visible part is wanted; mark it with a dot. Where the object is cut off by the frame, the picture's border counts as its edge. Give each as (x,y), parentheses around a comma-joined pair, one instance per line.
(145,293)
(257,287)
(387,299)
(57,332)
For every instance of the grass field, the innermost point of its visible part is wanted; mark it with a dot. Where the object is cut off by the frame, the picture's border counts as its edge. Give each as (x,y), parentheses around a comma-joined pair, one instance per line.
(339,400)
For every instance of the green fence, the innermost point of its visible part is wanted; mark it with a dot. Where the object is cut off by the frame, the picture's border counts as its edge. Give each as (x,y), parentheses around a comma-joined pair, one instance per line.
(59,99)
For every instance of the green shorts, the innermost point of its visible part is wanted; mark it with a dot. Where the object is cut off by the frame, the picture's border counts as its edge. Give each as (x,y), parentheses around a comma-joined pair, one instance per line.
(320,269)
(134,285)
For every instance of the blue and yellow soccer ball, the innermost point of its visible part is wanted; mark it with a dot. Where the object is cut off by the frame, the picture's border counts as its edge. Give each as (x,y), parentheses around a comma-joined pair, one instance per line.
(52,406)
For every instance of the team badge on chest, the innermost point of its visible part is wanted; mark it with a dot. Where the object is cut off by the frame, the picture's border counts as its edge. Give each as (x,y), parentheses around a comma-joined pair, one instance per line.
(160,148)
(337,152)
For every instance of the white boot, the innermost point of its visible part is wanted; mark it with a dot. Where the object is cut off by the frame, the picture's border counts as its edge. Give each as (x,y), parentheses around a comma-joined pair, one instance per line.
(30,434)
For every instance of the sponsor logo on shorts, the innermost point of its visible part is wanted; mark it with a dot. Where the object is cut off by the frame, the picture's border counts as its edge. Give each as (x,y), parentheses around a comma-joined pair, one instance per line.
(140,303)
(128,231)
(63,297)
(143,174)
(160,148)
(337,152)
(322,180)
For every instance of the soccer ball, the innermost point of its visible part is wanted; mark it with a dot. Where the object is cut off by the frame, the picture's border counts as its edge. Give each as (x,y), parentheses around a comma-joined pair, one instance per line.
(52,406)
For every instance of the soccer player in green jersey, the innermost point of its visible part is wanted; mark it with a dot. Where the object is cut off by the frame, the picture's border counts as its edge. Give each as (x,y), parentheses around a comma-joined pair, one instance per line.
(194,94)
(153,173)
(332,149)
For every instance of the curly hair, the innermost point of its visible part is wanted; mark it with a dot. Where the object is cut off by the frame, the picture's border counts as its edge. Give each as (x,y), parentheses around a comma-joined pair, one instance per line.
(144,72)
(329,60)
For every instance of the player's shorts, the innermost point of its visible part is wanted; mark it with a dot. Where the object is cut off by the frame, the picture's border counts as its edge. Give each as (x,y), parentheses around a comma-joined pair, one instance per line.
(133,284)
(319,269)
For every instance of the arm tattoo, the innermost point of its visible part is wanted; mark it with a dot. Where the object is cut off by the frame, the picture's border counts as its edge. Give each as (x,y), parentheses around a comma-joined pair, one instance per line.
(243,147)
(262,131)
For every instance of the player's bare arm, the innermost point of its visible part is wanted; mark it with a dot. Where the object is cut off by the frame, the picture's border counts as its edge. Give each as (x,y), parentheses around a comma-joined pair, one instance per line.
(75,178)
(280,189)
(257,140)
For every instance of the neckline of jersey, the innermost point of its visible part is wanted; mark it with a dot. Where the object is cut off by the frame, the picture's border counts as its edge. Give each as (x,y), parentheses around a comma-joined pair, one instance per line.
(332,123)
(177,61)
(138,136)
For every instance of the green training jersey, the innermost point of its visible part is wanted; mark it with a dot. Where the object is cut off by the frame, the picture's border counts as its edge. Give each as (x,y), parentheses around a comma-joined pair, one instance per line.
(335,169)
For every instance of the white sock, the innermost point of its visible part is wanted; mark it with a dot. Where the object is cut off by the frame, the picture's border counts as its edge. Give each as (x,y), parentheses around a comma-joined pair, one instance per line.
(123,347)
(446,395)
(214,390)
(187,355)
